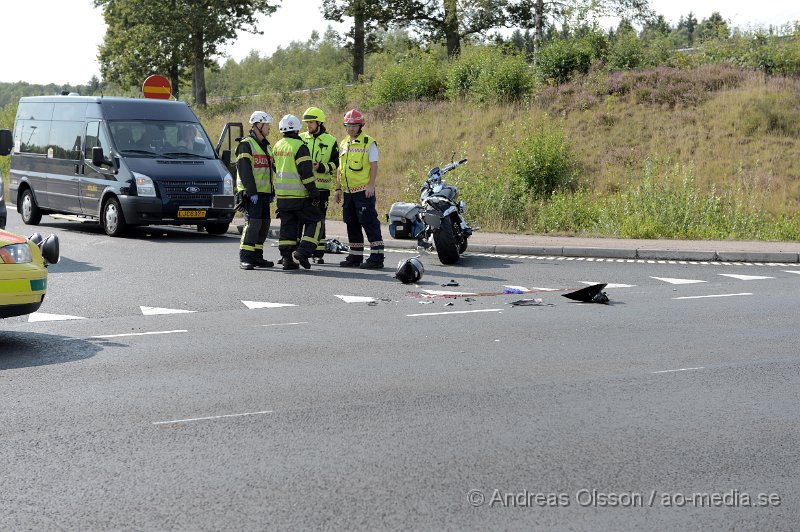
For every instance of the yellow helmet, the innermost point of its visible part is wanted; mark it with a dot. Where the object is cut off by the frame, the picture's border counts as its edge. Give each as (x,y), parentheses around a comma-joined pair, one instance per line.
(314,114)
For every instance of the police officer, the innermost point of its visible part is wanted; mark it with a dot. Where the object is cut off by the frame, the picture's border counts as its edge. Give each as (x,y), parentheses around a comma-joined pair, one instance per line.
(298,197)
(325,160)
(256,170)
(358,168)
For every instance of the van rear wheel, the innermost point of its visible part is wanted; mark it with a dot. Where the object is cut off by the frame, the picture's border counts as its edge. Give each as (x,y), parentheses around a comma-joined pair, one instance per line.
(112,218)
(217,228)
(31,214)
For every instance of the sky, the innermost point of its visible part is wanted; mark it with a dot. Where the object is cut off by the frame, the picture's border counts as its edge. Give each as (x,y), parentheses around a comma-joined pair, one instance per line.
(56,41)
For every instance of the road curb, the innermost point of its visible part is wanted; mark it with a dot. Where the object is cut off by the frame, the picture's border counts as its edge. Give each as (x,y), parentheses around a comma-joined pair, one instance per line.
(631,253)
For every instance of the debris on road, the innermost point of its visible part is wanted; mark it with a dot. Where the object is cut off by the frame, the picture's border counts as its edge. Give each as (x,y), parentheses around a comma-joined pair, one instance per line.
(590,294)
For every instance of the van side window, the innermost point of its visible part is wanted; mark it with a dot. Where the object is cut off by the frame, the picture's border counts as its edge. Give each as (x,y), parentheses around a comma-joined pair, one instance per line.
(65,140)
(32,136)
(95,137)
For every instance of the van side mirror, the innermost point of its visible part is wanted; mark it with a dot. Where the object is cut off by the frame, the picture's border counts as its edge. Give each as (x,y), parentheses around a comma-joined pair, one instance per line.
(226,157)
(6,141)
(99,158)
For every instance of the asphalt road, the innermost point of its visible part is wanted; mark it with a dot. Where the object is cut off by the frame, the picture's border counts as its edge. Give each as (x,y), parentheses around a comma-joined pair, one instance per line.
(166,402)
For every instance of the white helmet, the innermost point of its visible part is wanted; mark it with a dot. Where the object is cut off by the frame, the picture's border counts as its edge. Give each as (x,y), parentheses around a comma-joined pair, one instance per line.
(409,270)
(259,117)
(289,123)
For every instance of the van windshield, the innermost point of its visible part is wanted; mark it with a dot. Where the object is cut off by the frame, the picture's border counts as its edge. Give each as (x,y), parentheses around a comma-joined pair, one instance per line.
(151,138)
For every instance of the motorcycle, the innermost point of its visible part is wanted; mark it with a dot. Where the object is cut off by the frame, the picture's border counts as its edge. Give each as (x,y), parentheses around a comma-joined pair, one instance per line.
(437,222)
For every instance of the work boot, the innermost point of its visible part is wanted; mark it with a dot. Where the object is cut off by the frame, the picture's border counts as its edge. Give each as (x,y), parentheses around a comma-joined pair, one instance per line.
(302,259)
(351,262)
(247,259)
(288,263)
(262,263)
(371,265)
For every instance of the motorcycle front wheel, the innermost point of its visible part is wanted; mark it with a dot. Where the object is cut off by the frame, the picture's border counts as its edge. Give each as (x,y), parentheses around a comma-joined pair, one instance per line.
(445,241)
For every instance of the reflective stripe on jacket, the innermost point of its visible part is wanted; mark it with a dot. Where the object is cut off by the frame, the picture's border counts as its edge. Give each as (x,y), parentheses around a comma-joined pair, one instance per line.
(261,164)
(321,148)
(288,183)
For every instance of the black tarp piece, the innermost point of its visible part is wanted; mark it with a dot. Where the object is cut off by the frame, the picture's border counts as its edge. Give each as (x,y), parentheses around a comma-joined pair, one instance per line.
(590,294)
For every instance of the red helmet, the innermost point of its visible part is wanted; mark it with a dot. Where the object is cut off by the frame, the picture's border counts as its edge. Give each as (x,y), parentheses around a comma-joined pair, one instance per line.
(353,117)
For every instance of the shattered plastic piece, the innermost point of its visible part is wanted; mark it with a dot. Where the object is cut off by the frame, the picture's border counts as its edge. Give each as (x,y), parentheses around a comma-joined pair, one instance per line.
(590,294)
(448,304)
(531,302)
(334,246)
(373,303)
(425,302)
(512,290)
(451,283)
(469,299)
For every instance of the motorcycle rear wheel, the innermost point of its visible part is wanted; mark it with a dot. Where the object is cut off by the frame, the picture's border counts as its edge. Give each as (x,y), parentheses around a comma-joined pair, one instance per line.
(445,241)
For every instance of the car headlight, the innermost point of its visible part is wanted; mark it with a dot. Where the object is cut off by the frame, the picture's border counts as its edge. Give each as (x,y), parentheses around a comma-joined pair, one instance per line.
(144,185)
(227,185)
(16,254)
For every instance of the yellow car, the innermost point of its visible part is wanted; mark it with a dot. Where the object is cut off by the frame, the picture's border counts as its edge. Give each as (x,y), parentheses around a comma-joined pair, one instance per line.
(23,272)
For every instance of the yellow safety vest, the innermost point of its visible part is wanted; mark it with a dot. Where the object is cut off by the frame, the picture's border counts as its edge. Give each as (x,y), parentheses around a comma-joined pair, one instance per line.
(262,167)
(288,183)
(321,149)
(354,163)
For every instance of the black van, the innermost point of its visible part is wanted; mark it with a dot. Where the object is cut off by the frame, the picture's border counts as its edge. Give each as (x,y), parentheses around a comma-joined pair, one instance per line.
(122,161)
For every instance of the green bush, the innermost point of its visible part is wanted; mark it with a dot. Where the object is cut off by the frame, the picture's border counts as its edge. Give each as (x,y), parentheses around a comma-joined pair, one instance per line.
(561,59)
(777,114)
(417,77)
(487,74)
(545,162)
(626,53)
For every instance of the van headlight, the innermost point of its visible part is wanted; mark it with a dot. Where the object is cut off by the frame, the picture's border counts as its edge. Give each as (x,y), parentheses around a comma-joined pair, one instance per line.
(16,254)
(144,185)
(227,185)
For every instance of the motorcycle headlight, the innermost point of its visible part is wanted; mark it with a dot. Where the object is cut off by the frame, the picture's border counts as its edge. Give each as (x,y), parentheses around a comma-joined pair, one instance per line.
(16,254)
(144,185)
(227,185)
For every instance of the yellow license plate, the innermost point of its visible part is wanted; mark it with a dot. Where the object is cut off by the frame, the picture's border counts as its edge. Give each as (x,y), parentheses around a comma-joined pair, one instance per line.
(191,213)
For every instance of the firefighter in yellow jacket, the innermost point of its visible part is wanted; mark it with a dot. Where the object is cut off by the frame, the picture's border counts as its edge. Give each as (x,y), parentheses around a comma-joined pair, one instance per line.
(325,160)
(255,169)
(298,197)
(358,169)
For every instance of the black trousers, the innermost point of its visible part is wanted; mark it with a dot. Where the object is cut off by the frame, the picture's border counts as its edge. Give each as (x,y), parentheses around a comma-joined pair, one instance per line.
(306,221)
(359,212)
(256,227)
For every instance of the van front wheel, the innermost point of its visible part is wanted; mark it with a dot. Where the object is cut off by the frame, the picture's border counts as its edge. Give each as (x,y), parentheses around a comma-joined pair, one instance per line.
(113,219)
(30,212)
(217,228)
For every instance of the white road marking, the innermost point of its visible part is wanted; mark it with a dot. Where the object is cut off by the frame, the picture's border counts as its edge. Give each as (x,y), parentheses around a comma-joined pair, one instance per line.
(455,312)
(152,311)
(41,316)
(448,293)
(791,271)
(675,370)
(282,324)
(745,277)
(671,280)
(263,304)
(139,334)
(355,299)
(715,295)
(609,285)
(212,417)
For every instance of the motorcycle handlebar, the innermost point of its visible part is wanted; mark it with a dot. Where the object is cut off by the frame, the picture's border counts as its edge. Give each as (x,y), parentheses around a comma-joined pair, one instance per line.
(453,165)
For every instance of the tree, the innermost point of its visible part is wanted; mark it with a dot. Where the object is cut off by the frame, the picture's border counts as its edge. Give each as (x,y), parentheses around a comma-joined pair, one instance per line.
(686,28)
(539,14)
(451,20)
(713,27)
(368,16)
(173,34)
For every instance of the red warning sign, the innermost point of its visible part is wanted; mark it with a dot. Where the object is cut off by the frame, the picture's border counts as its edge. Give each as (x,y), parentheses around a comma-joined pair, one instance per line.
(157,87)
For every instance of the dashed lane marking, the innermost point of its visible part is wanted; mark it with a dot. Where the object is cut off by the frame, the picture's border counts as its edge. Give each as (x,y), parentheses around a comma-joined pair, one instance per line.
(714,295)
(671,280)
(42,316)
(355,299)
(455,312)
(745,277)
(609,285)
(264,304)
(189,420)
(152,311)
(677,370)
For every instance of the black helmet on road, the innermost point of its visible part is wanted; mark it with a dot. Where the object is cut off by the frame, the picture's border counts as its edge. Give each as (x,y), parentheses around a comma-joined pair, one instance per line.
(410,270)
